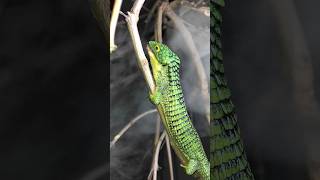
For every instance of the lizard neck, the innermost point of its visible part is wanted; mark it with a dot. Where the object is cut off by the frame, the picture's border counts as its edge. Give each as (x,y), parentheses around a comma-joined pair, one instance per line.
(173,71)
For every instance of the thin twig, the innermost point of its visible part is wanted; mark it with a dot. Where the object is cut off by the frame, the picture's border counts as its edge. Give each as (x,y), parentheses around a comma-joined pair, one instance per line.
(156,140)
(113,24)
(132,122)
(154,7)
(169,158)
(122,14)
(157,134)
(155,165)
(158,26)
(195,56)
(155,168)
(132,20)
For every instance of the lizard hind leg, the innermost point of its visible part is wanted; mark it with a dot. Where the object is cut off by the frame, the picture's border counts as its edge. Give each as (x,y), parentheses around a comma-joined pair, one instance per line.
(191,167)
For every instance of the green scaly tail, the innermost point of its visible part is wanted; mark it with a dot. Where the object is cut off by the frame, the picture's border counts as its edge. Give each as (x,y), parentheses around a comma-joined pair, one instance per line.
(227,155)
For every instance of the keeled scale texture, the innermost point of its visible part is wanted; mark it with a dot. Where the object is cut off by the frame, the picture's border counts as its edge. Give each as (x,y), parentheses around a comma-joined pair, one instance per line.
(183,136)
(227,155)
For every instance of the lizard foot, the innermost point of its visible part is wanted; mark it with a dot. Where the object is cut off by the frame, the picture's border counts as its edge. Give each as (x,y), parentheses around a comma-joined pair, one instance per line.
(155,97)
(191,167)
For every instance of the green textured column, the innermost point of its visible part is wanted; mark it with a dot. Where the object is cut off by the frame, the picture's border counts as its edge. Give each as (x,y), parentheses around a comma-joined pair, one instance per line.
(227,156)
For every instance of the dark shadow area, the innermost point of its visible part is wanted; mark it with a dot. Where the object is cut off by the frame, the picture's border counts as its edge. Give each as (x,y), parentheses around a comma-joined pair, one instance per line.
(52,91)
(260,51)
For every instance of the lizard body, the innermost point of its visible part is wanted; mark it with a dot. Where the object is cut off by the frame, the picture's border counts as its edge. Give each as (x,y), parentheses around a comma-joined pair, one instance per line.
(168,97)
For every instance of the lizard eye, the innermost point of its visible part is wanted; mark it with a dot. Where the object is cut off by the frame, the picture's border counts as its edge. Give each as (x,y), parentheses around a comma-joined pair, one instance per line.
(157,48)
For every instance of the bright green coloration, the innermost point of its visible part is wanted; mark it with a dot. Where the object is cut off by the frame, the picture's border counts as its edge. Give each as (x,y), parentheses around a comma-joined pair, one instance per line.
(227,155)
(169,100)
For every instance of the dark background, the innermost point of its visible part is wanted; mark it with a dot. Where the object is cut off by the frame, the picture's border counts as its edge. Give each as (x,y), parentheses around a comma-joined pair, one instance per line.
(52,91)
(271,52)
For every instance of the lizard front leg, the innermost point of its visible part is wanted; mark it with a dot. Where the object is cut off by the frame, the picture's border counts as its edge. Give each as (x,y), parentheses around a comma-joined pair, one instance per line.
(155,97)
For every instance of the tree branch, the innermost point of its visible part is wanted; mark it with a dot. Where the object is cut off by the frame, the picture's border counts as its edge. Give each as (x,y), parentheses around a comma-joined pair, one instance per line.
(158,25)
(113,24)
(132,122)
(169,158)
(155,165)
(132,21)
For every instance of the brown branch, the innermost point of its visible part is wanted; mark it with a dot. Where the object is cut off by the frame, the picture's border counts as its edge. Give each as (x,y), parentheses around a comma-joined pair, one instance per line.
(153,9)
(132,20)
(132,122)
(169,158)
(158,26)
(157,134)
(113,23)
(155,165)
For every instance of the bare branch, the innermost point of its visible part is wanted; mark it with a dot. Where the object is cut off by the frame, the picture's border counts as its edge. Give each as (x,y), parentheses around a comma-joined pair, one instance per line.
(157,134)
(169,158)
(156,140)
(132,20)
(137,7)
(158,26)
(154,7)
(113,24)
(155,166)
(132,122)
(123,14)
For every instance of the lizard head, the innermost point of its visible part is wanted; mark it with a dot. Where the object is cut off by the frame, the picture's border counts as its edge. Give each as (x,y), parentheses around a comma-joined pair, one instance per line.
(161,52)
(160,56)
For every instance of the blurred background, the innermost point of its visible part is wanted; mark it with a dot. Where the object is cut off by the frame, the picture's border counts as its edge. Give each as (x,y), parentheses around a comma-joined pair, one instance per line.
(52,91)
(272,64)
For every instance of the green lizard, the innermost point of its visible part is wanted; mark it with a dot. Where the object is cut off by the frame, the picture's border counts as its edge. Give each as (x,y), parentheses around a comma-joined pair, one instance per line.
(227,155)
(168,98)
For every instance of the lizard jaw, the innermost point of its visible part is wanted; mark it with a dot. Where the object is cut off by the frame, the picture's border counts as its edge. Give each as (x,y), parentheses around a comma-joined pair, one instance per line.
(156,66)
